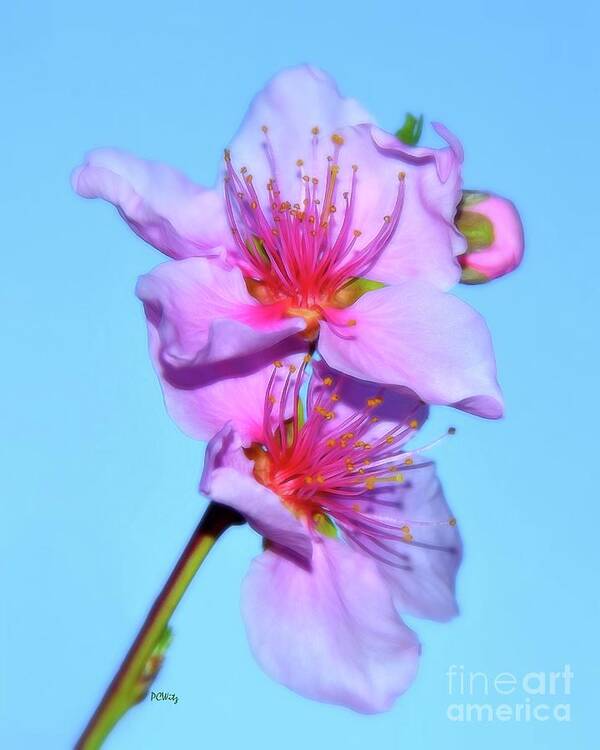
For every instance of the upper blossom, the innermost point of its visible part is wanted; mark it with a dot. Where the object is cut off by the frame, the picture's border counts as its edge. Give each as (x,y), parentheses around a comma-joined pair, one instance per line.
(322,226)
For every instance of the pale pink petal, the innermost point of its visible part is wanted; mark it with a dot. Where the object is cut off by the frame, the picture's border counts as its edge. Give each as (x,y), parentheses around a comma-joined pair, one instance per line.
(328,629)
(421,573)
(400,405)
(201,399)
(204,314)
(415,336)
(160,204)
(426,241)
(228,478)
(293,103)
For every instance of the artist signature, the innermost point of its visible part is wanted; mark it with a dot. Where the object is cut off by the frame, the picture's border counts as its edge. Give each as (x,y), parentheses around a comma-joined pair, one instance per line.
(162,696)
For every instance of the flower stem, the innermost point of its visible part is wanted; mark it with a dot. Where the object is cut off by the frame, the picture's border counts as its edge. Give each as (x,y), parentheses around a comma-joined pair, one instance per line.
(130,683)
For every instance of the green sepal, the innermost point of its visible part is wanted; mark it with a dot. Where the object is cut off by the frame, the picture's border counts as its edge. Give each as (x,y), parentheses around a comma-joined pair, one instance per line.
(477,228)
(353,289)
(471,198)
(325,526)
(471,276)
(411,131)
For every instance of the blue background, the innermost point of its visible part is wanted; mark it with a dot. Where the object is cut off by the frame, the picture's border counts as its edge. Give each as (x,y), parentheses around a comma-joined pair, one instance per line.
(98,486)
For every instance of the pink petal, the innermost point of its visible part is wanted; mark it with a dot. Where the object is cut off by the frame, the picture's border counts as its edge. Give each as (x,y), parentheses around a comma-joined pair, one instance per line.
(400,406)
(328,629)
(204,314)
(293,103)
(421,574)
(426,240)
(200,400)
(415,336)
(227,478)
(159,203)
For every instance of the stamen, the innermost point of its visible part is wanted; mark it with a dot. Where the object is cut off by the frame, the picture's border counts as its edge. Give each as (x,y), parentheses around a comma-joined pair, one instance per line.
(319,468)
(302,250)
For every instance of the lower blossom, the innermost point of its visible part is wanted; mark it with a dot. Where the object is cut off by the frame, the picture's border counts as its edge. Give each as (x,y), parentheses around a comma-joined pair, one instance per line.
(356,533)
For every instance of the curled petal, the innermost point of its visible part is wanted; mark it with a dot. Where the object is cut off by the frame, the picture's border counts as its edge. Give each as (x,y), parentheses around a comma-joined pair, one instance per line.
(228,478)
(426,241)
(414,335)
(328,629)
(160,204)
(203,314)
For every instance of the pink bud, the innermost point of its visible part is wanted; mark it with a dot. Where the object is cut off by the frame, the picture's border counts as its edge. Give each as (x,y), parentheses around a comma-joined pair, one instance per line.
(494,234)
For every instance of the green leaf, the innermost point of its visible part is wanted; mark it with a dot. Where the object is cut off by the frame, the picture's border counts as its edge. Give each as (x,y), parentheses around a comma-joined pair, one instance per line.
(411,131)
(152,666)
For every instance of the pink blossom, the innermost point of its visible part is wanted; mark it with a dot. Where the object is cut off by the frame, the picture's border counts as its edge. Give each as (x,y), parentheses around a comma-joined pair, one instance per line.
(494,234)
(323,228)
(357,533)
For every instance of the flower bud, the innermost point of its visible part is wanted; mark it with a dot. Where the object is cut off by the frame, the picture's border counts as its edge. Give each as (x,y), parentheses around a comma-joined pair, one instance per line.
(494,234)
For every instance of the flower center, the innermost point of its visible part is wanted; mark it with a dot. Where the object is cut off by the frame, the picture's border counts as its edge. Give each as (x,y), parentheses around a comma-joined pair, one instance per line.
(302,252)
(327,471)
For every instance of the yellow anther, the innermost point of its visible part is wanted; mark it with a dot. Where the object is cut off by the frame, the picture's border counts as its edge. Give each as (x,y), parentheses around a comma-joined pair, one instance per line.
(413,424)
(320,478)
(328,381)
(278,363)
(405,529)
(299,163)
(272,400)
(375,401)
(254,205)
(292,368)
(408,538)
(356,507)
(332,209)
(389,440)
(308,479)
(401,176)
(315,130)
(356,232)
(374,419)
(351,322)
(335,397)
(370,483)
(397,478)
(306,359)
(409,461)
(347,436)
(331,443)
(337,139)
